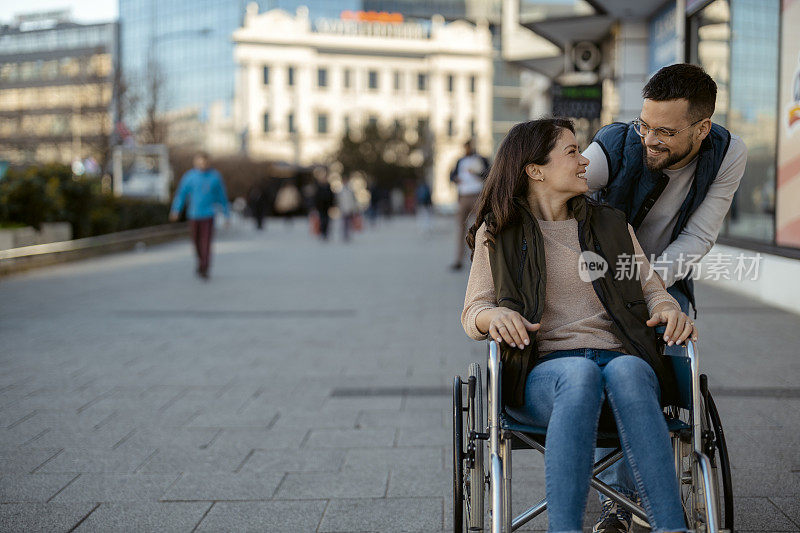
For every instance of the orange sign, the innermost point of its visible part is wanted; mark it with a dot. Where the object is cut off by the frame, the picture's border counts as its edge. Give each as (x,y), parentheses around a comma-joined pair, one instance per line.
(373,16)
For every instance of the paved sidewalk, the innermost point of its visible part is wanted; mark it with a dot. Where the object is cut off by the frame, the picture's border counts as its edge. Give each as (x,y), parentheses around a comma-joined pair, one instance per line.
(306,387)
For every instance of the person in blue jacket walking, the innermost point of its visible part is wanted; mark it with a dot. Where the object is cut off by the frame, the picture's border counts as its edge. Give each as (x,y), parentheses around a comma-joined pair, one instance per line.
(203,189)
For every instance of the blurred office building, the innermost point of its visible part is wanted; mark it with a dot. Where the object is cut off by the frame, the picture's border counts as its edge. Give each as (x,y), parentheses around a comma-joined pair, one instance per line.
(57,90)
(303,84)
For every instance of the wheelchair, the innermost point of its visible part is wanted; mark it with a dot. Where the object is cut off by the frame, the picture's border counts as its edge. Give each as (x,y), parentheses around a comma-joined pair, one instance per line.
(698,441)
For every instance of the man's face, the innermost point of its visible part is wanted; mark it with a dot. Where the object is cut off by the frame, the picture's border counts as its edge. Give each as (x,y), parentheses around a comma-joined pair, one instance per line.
(664,152)
(200,162)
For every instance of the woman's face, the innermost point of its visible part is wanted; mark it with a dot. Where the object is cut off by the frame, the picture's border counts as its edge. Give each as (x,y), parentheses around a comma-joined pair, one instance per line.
(565,172)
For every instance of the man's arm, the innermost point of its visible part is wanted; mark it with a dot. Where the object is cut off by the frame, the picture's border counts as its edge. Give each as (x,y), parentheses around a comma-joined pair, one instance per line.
(703,227)
(597,171)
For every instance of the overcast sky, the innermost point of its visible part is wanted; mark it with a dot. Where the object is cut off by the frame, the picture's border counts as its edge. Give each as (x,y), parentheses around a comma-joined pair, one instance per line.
(82,10)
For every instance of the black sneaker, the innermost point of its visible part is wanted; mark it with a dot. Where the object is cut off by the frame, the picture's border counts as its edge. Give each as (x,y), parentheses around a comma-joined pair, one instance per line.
(613,519)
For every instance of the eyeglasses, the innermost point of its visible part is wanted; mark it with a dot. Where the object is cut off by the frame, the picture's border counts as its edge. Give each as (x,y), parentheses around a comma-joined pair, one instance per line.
(642,129)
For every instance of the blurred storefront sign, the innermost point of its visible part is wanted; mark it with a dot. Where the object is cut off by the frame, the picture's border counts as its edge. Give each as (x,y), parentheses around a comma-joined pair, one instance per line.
(370,28)
(577,101)
(142,171)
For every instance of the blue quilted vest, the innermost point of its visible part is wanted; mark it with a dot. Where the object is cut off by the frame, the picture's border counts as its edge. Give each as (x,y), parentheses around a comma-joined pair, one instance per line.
(634,189)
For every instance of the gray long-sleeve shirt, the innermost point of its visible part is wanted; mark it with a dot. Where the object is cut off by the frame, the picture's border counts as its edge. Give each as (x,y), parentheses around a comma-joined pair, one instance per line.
(702,228)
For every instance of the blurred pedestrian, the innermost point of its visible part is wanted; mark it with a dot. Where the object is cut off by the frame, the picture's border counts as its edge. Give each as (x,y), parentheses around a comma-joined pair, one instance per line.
(424,207)
(323,201)
(257,203)
(288,201)
(203,190)
(468,173)
(348,207)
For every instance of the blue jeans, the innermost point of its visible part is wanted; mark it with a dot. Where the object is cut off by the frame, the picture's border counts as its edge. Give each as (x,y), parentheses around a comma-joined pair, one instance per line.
(619,475)
(565,392)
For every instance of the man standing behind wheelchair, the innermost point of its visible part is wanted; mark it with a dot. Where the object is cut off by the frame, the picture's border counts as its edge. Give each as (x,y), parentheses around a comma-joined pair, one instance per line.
(572,336)
(674,174)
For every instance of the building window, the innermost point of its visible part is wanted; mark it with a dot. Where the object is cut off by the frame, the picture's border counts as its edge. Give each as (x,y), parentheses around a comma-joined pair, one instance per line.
(422,126)
(290,121)
(322,77)
(322,123)
(450,129)
(347,78)
(472,84)
(290,75)
(373,121)
(472,128)
(347,125)
(397,81)
(398,125)
(266,122)
(450,83)
(422,82)
(373,79)
(266,75)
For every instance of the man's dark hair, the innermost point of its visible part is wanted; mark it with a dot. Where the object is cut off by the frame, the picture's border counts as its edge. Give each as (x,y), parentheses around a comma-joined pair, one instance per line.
(684,81)
(203,154)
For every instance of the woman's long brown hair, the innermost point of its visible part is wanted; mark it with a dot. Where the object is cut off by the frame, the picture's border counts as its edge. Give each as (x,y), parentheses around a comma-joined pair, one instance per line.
(526,143)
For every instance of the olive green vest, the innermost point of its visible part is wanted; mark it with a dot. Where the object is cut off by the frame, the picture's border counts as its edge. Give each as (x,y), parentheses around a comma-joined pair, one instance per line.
(519,274)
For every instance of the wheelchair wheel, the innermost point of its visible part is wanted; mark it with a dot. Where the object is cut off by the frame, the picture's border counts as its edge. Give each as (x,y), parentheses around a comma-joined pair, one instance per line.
(717,450)
(692,486)
(468,473)
(475,429)
(458,458)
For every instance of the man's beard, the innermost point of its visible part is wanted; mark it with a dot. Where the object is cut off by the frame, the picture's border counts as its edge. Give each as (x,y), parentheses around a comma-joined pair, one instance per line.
(654,164)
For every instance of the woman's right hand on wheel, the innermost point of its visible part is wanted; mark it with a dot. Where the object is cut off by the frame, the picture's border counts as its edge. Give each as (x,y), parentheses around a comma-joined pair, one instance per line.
(510,326)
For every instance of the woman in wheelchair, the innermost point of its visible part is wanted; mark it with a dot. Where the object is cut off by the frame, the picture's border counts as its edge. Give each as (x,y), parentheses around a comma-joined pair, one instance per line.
(563,285)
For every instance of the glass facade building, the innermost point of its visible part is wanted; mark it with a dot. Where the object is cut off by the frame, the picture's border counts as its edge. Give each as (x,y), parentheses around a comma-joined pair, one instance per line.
(185,45)
(57,91)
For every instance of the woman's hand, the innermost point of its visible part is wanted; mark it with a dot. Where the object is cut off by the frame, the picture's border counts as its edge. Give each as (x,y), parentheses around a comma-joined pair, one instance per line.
(507,325)
(679,326)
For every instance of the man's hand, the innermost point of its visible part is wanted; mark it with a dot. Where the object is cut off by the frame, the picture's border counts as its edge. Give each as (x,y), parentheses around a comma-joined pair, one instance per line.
(173,216)
(679,326)
(509,326)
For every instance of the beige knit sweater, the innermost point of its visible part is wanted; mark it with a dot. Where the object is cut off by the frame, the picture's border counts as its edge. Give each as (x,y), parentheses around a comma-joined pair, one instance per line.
(573,315)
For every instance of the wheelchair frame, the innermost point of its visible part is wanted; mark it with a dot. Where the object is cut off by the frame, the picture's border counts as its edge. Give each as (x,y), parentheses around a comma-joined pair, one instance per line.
(699,479)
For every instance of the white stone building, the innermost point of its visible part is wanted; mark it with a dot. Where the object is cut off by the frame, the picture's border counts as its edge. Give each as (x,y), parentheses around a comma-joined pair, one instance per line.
(301,84)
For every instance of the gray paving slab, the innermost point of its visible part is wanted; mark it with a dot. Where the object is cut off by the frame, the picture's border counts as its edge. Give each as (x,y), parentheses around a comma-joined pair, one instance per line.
(263,516)
(347,483)
(350,438)
(192,459)
(145,517)
(383,515)
(423,457)
(789,506)
(24,459)
(115,488)
(224,486)
(760,514)
(42,517)
(317,460)
(103,460)
(18,488)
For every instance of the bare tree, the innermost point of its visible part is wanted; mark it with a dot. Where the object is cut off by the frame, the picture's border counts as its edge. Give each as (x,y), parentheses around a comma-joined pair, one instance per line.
(153,128)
